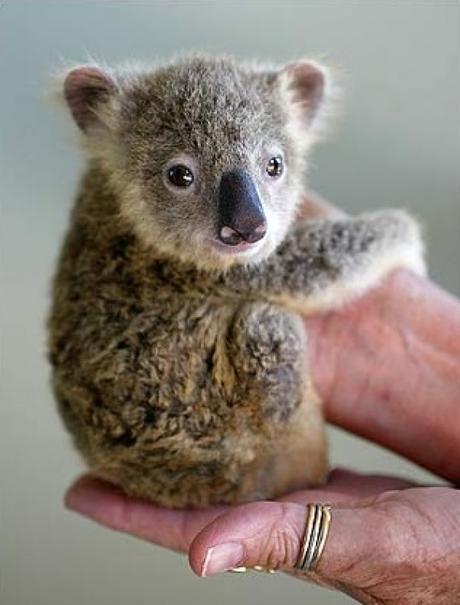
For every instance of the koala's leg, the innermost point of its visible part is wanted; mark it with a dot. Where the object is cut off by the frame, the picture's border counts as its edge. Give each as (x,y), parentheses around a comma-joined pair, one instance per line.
(280,417)
(324,263)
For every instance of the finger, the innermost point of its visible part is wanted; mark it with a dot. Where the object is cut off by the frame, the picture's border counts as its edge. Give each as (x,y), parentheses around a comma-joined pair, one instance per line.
(176,529)
(110,507)
(345,486)
(365,485)
(313,206)
(270,534)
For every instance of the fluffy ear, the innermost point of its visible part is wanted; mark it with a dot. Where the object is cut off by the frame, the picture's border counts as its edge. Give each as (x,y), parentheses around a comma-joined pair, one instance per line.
(87,90)
(305,86)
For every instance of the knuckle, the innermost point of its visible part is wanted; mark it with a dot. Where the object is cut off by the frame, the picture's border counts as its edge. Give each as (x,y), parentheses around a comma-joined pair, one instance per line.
(282,545)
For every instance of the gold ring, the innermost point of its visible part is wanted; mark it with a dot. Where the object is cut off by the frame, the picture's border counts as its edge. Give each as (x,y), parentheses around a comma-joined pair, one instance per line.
(314,538)
(244,569)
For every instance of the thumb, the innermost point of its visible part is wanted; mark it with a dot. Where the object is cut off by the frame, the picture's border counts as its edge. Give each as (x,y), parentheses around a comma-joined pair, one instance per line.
(270,534)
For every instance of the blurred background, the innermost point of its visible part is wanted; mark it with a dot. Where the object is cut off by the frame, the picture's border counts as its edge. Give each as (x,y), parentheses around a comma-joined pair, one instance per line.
(397,144)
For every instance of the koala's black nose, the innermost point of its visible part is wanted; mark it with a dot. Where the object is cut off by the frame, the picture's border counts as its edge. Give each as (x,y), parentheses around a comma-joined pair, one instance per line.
(240,213)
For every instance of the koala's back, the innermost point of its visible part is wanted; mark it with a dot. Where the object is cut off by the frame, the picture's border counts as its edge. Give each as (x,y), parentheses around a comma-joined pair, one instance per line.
(169,389)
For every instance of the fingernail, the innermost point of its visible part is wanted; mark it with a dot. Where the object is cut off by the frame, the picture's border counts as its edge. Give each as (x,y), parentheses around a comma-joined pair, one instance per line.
(222,558)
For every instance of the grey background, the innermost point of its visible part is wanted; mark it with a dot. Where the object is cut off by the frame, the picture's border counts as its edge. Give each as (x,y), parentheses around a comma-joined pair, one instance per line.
(397,144)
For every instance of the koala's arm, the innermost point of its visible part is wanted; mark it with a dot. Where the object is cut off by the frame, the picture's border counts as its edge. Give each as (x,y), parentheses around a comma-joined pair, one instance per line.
(324,263)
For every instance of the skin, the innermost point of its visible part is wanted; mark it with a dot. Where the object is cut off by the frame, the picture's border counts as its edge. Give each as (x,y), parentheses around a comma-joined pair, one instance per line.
(391,541)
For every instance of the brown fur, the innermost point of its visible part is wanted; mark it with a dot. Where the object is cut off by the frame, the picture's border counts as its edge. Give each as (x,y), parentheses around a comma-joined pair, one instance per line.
(183,380)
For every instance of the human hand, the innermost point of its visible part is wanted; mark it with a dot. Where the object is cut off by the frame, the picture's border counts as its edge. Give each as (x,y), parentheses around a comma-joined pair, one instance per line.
(390,541)
(387,368)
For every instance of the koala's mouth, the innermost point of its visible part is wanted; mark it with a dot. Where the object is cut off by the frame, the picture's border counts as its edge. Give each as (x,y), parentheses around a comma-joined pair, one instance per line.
(242,248)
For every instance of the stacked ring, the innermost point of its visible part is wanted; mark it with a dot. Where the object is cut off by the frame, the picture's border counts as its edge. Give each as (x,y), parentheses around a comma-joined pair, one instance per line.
(314,537)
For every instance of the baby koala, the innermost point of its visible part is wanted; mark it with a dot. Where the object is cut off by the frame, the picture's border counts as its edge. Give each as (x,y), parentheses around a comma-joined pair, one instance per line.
(178,352)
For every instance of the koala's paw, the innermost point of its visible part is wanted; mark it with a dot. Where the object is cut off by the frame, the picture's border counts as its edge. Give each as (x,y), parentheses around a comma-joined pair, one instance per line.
(359,252)
(398,242)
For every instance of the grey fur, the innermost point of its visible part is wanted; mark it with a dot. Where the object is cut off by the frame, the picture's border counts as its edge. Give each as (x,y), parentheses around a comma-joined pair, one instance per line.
(179,370)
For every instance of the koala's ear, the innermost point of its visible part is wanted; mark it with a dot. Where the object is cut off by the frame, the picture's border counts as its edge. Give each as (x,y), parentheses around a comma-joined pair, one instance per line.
(305,86)
(87,91)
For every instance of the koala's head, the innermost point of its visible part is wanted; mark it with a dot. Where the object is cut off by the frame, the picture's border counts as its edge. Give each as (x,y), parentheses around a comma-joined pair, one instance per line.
(208,155)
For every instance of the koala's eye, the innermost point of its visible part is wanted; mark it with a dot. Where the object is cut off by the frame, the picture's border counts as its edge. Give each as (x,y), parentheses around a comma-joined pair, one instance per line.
(275,166)
(180,176)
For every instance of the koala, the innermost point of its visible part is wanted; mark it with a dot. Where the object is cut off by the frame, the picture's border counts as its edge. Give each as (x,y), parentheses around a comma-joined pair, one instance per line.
(176,341)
